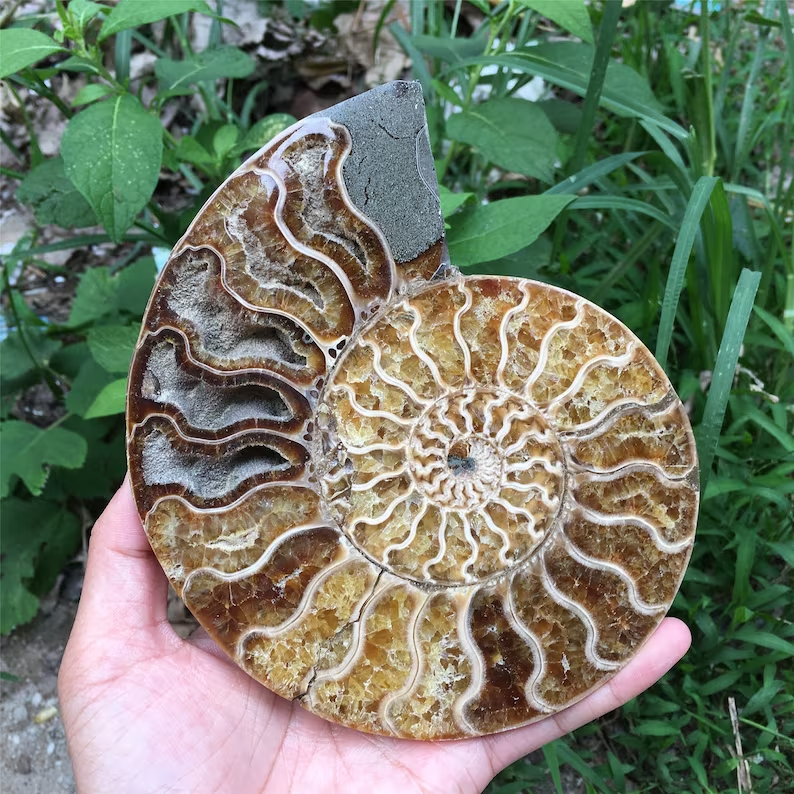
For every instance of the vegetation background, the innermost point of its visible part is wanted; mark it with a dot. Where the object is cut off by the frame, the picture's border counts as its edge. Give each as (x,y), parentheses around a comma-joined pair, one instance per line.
(638,153)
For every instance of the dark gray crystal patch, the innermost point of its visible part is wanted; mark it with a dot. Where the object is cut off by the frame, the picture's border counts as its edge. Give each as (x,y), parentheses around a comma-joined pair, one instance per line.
(389,172)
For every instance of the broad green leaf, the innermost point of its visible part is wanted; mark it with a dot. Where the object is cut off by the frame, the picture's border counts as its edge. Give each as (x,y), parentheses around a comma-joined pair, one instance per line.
(90,381)
(27,527)
(15,360)
(189,150)
(95,297)
(112,346)
(135,283)
(565,116)
(53,198)
(264,130)
(178,77)
(569,65)
(112,153)
(27,451)
(104,465)
(134,13)
(22,47)
(100,294)
(111,400)
(512,133)
(569,14)
(225,139)
(491,231)
(91,93)
(451,201)
(83,11)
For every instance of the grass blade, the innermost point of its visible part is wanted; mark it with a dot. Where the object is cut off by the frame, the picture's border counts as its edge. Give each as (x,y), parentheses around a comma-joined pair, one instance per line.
(606,35)
(553,763)
(601,202)
(678,266)
(418,65)
(585,177)
(724,369)
(570,757)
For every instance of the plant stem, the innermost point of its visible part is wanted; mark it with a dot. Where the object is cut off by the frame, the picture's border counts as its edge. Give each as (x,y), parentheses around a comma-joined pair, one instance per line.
(38,366)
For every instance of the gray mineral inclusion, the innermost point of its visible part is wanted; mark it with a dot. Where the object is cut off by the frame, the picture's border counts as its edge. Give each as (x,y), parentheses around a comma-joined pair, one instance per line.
(389,172)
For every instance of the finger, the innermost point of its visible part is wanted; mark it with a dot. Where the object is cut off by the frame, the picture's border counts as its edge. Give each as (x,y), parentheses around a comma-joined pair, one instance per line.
(662,650)
(125,587)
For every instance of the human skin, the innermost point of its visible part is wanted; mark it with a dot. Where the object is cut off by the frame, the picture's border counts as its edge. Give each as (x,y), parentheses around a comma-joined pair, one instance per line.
(148,711)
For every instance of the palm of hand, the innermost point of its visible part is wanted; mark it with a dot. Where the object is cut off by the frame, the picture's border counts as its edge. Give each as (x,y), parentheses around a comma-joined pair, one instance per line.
(146,711)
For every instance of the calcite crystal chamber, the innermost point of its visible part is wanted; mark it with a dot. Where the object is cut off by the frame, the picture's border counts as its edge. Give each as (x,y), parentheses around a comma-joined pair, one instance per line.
(422,504)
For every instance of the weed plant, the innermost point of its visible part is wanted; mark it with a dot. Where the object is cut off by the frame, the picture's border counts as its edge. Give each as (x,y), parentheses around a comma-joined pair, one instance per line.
(639,156)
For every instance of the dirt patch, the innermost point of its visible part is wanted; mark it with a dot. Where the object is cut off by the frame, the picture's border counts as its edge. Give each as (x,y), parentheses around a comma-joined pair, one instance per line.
(33,754)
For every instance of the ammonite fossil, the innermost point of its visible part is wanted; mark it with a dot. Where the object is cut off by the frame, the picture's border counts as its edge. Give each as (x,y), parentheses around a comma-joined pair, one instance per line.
(422,504)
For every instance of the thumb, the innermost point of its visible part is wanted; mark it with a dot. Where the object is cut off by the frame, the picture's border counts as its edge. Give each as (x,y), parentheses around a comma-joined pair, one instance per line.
(125,588)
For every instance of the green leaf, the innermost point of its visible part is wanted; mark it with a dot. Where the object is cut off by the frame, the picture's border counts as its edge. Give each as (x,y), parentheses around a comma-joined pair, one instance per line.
(569,65)
(22,47)
(784,550)
(452,50)
(490,231)
(111,400)
(553,763)
(264,130)
(91,93)
(592,173)
(189,150)
(90,381)
(134,13)
(569,14)
(104,465)
(178,77)
(95,297)
(112,346)
(225,139)
(512,133)
(27,527)
(53,198)
(763,639)
(14,358)
(100,294)
(112,153)
(451,201)
(656,728)
(27,452)
(601,201)
(134,285)
(678,265)
(83,11)
(708,433)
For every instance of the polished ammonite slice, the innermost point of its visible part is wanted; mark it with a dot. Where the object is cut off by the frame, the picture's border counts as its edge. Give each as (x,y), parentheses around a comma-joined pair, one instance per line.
(422,504)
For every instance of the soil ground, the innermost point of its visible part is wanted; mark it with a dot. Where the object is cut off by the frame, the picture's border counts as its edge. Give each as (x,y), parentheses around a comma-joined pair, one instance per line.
(33,754)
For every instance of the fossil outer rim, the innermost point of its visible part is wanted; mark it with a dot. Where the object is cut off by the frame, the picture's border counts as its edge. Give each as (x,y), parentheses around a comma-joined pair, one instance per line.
(263,350)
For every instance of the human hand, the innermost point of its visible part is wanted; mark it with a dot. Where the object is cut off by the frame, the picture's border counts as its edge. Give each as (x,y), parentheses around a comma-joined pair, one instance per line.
(146,711)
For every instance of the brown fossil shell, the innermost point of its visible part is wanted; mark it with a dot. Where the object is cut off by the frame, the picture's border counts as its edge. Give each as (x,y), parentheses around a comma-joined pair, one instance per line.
(424,505)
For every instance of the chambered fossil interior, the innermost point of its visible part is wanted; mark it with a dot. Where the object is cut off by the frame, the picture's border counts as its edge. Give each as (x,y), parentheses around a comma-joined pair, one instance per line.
(422,504)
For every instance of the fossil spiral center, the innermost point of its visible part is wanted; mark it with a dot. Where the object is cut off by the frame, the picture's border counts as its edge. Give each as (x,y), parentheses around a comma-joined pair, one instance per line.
(450,490)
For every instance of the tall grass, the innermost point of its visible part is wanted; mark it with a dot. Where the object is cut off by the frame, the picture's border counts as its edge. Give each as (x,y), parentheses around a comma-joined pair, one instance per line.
(682,227)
